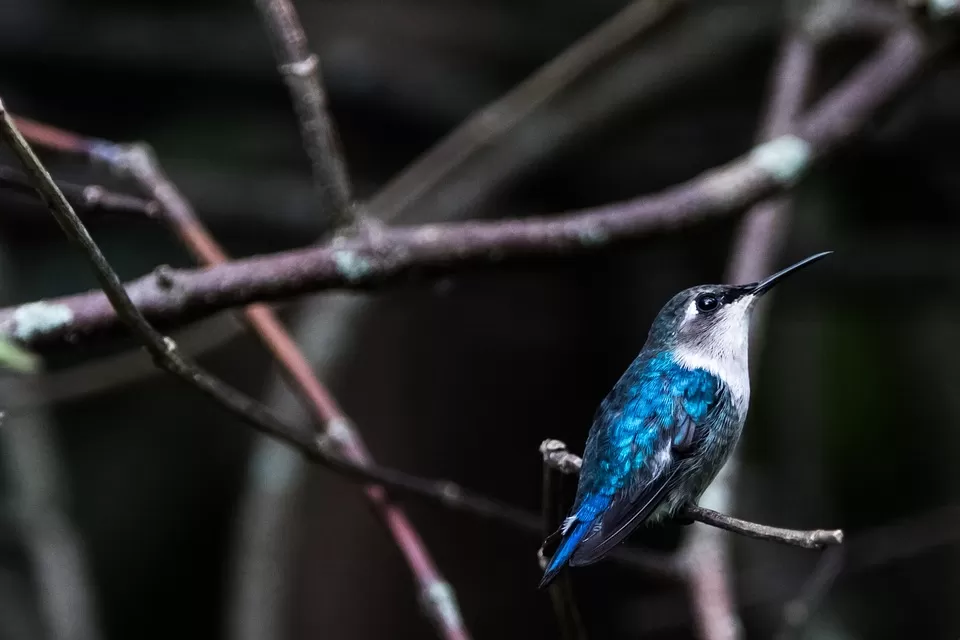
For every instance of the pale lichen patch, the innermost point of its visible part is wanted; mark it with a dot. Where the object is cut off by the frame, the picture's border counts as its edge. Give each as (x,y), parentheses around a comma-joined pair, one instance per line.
(37,318)
(593,237)
(441,602)
(784,158)
(351,265)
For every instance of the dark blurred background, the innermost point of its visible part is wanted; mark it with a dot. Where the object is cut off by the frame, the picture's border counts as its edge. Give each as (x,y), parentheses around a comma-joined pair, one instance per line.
(855,410)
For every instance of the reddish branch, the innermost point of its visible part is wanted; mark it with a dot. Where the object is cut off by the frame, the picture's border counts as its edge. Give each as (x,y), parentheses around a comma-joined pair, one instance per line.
(437,596)
(387,255)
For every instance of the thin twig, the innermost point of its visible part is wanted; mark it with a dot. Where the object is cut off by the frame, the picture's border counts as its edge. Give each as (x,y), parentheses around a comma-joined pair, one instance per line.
(141,163)
(557,456)
(377,258)
(564,603)
(300,69)
(84,198)
(813,539)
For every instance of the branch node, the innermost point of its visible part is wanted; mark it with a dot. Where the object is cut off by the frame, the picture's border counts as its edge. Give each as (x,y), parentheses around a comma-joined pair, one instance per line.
(301,68)
(450,492)
(92,195)
(439,601)
(352,265)
(555,454)
(133,159)
(542,559)
(165,277)
(785,158)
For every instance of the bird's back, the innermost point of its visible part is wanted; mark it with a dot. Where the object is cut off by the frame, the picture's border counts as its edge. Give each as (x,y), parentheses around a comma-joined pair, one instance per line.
(657,440)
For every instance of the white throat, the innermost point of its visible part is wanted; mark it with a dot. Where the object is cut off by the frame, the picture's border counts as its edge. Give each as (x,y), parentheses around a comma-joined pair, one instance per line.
(723,350)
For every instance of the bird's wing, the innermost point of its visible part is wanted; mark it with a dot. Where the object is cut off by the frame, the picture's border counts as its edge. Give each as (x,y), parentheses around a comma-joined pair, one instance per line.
(672,422)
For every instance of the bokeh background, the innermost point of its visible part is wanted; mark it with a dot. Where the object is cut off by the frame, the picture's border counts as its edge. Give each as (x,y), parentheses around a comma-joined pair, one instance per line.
(855,420)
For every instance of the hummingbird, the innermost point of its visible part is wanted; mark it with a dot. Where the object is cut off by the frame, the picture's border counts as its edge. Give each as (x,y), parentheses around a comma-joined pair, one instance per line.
(669,424)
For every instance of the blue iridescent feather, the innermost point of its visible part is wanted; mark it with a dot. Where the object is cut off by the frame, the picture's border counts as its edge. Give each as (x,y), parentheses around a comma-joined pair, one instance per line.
(670,423)
(653,416)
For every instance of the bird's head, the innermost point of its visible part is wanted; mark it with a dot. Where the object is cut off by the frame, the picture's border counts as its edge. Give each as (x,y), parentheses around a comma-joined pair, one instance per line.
(712,322)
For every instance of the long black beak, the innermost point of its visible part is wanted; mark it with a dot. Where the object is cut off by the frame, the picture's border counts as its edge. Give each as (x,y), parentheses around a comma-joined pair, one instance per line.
(760,288)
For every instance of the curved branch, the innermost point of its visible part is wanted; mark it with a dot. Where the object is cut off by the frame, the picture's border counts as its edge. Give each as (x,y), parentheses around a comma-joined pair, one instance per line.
(387,255)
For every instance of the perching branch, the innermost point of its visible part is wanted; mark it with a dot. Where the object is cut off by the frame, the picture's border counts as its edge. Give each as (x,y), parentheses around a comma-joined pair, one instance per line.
(557,456)
(378,258)
(300,69)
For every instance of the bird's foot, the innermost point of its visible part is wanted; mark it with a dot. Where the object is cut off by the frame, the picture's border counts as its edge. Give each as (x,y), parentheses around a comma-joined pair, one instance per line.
(682,518)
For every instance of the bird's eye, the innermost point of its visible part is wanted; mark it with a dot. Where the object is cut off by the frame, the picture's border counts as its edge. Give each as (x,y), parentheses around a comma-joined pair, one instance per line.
(707,302)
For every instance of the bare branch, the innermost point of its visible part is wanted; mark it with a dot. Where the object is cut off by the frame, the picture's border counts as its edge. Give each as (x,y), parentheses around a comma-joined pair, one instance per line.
(380,257)
(300,69)
(557,456)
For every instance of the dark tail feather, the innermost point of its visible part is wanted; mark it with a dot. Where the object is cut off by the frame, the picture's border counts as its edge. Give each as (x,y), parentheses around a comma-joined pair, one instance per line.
(565,550)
